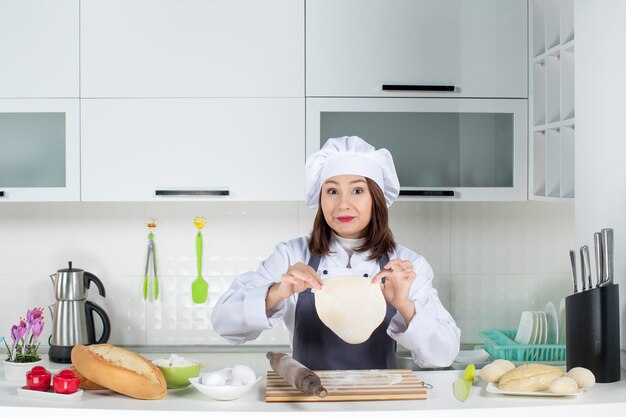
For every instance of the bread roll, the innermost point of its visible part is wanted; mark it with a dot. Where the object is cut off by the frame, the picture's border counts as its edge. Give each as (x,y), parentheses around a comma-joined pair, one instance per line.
(583,377)
(530,377)
(120,370)
(497,368)
(563,385)
(85,383)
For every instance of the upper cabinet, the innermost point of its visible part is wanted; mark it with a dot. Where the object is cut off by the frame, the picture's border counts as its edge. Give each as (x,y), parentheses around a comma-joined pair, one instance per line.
(442,48)
(39,150)
(39,49)
(171,149)
(552,115)
(192,48)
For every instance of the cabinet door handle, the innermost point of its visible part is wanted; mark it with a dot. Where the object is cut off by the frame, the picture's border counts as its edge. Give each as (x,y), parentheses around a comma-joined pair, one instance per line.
(1,193)
(418,87)
(193,193)
(428,193)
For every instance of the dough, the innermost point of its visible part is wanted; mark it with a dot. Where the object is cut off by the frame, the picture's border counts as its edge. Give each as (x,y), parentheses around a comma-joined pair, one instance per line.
(493,371)
(563,385)
(352,307)
(583,377)
(530,377)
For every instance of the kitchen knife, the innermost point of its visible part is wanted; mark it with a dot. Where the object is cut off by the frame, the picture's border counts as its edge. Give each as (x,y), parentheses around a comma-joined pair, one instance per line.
(583,269)
(572,258)
(607,246)
(597,244)
(587,263)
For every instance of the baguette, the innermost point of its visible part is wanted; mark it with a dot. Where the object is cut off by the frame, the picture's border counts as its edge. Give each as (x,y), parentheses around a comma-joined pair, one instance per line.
(85,383)
(530,377)
(120,370)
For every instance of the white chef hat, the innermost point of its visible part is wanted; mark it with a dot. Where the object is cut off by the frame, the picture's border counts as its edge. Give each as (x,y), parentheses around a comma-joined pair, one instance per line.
(350,155)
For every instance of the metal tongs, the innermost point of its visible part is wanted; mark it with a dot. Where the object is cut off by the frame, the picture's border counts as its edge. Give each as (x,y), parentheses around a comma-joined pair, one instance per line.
(151,286)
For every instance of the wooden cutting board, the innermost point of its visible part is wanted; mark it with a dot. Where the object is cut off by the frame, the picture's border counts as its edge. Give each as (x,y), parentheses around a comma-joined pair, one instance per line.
(357,385)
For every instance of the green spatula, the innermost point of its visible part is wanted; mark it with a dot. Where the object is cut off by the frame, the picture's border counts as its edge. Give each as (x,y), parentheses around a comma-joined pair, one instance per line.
(199,287)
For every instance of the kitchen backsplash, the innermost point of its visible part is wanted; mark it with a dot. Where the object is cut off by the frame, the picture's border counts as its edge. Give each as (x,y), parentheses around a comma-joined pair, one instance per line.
(491,260)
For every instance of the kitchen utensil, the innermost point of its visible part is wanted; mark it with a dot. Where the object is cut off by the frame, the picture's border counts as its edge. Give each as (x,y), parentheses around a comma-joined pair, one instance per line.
(572,258)
(222,392)
(353,385)
(597,245)
(199,288)
(494,389)
(585,258)
(462,387)
(296,374)
(151,255)
(72,315)
(583,269)
(562,321)
(593,332)
(607,261)
(524,333)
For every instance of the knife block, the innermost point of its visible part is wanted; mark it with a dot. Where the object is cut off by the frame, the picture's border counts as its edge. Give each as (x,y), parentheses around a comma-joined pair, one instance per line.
(592,326)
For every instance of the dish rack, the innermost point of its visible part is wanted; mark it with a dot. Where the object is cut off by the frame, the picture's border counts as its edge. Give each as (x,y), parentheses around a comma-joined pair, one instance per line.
(501,344)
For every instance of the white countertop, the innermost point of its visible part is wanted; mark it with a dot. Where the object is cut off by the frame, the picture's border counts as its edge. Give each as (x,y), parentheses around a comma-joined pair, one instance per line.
(609,399)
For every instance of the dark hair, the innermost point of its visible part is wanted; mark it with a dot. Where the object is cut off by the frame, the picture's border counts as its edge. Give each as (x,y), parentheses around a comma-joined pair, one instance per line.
(378,237)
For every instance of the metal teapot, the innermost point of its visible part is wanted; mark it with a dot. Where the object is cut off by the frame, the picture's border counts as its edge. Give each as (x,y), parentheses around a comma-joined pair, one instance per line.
(73,315)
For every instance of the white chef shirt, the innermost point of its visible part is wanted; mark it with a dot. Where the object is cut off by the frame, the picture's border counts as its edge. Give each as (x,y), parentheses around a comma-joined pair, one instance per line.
(239,315)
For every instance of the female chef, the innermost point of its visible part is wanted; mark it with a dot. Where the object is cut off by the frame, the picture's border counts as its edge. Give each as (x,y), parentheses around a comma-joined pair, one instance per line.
(351,184)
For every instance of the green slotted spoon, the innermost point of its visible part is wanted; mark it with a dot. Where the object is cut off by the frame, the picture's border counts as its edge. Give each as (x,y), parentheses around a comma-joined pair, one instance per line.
(199,287)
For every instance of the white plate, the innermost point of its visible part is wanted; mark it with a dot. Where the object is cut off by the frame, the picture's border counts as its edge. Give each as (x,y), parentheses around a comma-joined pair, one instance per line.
(493,388)
(553,324)
(525,329)
(49,395)
(562,321)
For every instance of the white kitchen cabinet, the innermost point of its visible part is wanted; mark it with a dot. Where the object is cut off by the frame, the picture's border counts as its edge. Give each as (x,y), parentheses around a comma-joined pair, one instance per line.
(477,48)
(39,48)
(444,149)
(551,100)
(192,48)
(39,150)
(232,149)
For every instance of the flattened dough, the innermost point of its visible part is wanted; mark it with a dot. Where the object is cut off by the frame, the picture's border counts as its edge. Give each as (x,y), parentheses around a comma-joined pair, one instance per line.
(351,307)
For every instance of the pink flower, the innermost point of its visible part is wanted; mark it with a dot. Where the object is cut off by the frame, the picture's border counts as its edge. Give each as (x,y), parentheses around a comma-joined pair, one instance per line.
(17,332)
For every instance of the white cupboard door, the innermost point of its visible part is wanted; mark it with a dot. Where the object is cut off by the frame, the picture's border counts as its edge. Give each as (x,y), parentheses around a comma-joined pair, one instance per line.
(39,150)
(354,47)
(250,149)
(39,48)
(192,48)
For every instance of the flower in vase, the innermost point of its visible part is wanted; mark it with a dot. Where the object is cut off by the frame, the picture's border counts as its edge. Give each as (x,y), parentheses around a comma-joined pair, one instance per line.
(25,335)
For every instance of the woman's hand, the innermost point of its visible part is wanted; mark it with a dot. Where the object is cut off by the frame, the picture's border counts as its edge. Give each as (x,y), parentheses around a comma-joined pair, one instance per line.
(298,278)
(399,276)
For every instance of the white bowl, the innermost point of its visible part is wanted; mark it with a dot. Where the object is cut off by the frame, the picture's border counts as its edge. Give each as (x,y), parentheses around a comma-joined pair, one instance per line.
(222,392)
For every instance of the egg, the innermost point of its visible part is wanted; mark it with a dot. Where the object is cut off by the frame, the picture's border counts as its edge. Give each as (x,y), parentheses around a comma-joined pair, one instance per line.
(243,375)
(215,379)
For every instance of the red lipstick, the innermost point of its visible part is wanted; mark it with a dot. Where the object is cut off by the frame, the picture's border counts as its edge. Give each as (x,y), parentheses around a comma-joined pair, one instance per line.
(345,219)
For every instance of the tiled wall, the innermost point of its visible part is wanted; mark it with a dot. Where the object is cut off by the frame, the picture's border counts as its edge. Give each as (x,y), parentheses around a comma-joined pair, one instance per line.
(491,260)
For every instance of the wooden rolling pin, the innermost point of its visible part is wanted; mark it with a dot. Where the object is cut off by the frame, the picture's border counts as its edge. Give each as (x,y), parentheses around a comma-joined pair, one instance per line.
(297,375)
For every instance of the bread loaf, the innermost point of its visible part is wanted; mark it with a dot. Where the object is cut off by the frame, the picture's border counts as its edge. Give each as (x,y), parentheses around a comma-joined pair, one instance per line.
(530,377)
(120,370)
(85,383)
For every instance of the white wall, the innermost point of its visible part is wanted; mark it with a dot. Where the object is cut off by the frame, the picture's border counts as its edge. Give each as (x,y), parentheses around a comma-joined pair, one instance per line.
(491,260)
(600,129)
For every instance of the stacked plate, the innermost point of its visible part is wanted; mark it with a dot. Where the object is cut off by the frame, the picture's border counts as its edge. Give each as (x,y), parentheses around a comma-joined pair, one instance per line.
(538,327)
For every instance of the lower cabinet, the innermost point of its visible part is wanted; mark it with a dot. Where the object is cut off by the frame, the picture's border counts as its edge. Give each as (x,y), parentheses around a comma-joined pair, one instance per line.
(212,149)
(39,150)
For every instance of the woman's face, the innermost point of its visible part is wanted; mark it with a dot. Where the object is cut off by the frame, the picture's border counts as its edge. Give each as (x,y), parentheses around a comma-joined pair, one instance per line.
(347,205)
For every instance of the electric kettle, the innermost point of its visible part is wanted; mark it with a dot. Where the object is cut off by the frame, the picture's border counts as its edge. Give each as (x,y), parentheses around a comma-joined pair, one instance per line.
(73,315)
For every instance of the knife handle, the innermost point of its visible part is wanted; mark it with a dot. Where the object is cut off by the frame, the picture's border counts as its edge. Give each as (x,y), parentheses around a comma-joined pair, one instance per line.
(583,271)
(587,262)
(597,244)
(607,245)
(572,259)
